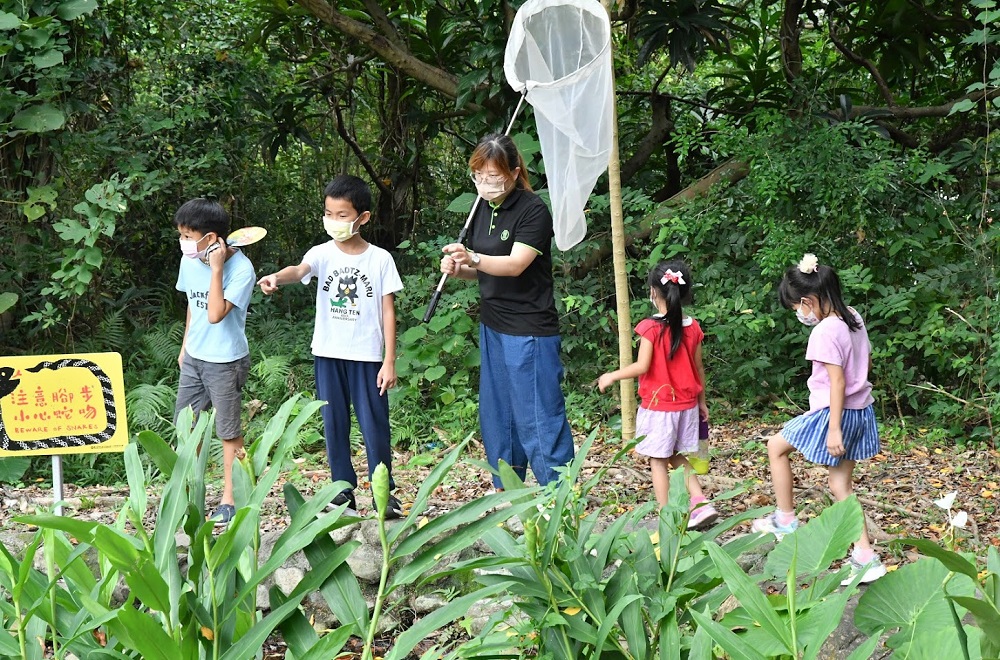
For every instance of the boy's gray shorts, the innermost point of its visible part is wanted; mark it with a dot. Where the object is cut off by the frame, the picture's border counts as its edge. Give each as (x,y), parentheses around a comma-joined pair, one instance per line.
(216,385)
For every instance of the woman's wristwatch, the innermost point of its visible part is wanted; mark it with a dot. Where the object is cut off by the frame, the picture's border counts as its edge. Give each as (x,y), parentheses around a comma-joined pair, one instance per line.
(473,258)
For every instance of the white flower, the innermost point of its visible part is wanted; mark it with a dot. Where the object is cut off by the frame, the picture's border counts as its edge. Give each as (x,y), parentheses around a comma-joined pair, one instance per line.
(809,263)
(946,501)
(960,519)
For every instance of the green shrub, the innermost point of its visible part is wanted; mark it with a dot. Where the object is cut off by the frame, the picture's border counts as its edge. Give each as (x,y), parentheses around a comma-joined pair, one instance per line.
(584,587)
(204,607)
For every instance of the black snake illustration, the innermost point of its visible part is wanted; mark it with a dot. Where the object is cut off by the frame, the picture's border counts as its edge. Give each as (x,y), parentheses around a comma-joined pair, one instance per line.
(8,384)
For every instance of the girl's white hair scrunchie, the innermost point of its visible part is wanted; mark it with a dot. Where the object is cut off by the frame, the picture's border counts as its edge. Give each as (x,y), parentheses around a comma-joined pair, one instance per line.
(809,263)
(671,276)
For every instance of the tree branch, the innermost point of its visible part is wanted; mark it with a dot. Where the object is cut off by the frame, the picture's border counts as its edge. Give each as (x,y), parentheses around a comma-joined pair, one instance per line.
(358,151)
(653,140)
(791,51)
(943,110)
(393,54)
(900,136)
(715,110)
(382,22)
(730,172)
(861,61)
(625,11)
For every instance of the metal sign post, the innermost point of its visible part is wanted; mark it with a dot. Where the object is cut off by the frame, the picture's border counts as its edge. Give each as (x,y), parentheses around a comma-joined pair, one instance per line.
(57,484)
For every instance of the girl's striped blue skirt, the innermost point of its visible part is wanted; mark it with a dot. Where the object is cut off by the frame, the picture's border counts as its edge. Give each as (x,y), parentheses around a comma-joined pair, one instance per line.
(807,433)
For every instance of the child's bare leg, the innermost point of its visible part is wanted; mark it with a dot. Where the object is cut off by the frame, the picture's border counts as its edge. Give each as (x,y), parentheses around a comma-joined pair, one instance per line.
(778,453)
(230,449)
(842,485)
(690,478)
(660,468)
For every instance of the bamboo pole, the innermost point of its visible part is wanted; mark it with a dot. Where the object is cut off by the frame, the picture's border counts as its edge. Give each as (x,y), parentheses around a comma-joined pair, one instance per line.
(627,386)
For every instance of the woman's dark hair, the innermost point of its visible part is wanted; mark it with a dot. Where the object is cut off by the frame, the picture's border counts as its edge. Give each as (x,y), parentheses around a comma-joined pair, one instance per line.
(824,284)
(203,216)
(351,189)
(499,150)
(675,294)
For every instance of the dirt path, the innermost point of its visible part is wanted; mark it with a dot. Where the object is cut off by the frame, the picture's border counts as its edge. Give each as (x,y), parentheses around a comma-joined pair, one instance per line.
(897,488)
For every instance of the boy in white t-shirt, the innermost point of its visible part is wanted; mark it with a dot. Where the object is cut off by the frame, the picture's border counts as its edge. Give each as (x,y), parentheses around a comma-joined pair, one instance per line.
(354,340)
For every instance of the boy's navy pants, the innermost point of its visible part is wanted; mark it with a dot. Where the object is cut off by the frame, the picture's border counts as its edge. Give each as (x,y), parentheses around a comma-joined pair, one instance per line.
(342,383)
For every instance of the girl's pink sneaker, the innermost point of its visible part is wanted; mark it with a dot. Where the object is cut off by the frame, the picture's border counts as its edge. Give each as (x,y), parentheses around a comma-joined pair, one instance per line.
(702,515)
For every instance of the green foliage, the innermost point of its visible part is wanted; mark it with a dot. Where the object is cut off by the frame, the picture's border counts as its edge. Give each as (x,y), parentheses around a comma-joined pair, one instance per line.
(750,72)
(911,260)
(202,608)
(205,607)
(926,601)
(437,363)
(13,468)
(150,406)
(149,104)
(585,590)
(416,550)
(7,300)
(38,39)
(683,29)
(84,258)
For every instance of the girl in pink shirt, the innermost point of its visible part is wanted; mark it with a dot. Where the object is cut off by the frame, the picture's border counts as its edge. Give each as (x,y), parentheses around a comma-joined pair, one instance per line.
(839,429)
(671,387)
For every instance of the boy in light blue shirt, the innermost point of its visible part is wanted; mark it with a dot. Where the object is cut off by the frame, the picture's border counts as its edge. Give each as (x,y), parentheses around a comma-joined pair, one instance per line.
(215,357)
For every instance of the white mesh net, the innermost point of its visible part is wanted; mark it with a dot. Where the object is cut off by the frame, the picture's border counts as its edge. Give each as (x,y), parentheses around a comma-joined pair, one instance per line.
(560,52)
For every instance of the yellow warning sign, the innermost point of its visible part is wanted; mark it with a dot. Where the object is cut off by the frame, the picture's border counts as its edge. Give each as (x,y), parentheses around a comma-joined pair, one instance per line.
(62,404)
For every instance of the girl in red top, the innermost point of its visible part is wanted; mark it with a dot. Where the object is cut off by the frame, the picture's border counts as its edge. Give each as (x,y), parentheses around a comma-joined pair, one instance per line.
(671,386)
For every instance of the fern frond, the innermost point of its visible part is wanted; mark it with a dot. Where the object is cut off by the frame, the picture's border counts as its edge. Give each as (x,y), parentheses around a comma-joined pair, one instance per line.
(272,371)
(162,344)
(113,330)
(151,407)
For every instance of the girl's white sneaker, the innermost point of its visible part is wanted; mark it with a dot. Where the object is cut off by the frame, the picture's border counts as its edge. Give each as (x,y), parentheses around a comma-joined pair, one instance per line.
(869,572)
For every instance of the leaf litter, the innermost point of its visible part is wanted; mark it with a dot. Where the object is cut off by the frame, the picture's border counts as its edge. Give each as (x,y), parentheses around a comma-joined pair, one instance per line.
(897,488)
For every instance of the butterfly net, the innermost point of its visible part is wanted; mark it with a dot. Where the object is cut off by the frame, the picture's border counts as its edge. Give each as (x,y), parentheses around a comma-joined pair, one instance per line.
(559,55)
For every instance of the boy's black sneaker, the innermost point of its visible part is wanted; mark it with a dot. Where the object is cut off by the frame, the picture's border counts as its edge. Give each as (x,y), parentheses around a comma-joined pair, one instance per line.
(223,515)
(345,496)
(394,509)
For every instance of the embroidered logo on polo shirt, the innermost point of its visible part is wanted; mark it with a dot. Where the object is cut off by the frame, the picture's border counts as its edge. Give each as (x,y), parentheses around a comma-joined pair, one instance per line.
(504,235)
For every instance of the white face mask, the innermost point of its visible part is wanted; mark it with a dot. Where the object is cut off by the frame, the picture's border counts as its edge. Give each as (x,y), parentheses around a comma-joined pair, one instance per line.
(490,191)
(340,230)
(806,319)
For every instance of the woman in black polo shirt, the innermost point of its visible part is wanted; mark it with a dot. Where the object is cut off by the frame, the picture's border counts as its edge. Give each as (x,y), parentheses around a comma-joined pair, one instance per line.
(522,412)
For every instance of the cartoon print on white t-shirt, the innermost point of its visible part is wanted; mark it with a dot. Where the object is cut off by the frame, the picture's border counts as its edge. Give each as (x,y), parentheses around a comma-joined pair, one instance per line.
(347,289)
(345,283)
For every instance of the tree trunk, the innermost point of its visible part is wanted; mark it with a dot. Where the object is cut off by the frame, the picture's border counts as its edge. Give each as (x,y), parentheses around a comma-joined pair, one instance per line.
(393,207)
(791,52)
(627,386)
